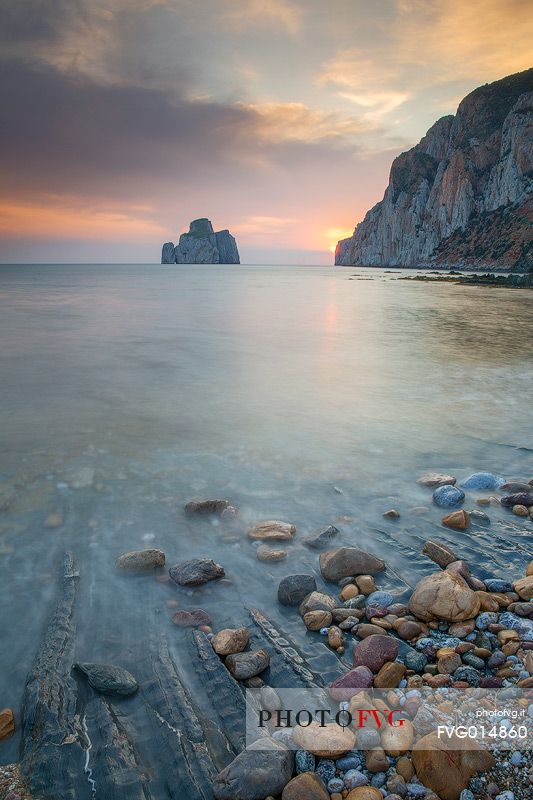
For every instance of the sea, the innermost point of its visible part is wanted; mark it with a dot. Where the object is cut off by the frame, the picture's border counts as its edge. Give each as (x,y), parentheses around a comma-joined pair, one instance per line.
(313,395)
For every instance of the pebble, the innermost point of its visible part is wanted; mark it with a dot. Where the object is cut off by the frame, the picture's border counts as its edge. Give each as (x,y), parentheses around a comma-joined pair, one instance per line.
(354,778)
(325,769)
(305,761)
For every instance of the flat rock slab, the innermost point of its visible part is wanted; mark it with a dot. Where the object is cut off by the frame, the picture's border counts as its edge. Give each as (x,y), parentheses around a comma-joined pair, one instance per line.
(273,530)
(138,560)
(108,679)
(346,561)
(196,571)
(434,479)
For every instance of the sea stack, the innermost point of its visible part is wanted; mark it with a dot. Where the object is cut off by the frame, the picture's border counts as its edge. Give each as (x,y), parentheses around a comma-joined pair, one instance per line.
(202,245)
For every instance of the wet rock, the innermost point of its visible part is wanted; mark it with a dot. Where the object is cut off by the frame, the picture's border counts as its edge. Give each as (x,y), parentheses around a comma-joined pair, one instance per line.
(392,513)
(446,765)
(458,520)
(349,591)
(325,741)
(7,723)
(294,588)
(345,561)
(273,530)
(138,560)
(247,665)
(304,761)
(483,480)
(365,793)
(514,487)
(407,629)
(191,619)
(376,760)
(230,640)
(206,506)
(390,675)
(524,587)
(462,629)
(529,569)
(379,599)
(435,479)
(439,553)
(444,595)
(365,629)
(323,538)
(479,517)
(317,601)
(265,553)
(108,679)
(374,651)
(397,740)
(315,620)
(196,571)
(343,614)
(358,678)
(335,637)
(306,786)
(366,584)
(520,511)
(517,499)
(448,496)
(255,773)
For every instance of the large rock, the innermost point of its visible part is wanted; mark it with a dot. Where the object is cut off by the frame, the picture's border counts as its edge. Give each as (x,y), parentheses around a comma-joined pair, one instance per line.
(457,520)
(483,480)
(343,687)
(444,595)
(272,529)
(108,679)
(255,773)
(446,765)
(517,499)
(230,641)
(192,618)
(364,793)
(294,588)
(208,506)
(344,561)
(448,496)
(246,665)
(196,571)
(450,197)
(306,786)
(139,560)
(374,651)
(202,245)
(325,741)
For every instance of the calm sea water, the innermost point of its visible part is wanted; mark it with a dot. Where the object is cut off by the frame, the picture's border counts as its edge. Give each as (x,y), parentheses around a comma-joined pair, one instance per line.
(315,395)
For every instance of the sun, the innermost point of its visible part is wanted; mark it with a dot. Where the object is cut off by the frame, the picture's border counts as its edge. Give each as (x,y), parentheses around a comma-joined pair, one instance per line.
(334,234)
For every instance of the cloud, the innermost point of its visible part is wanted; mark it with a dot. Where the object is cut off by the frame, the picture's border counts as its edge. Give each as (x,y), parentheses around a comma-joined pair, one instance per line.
(67,217)
(254,13)
(295,122)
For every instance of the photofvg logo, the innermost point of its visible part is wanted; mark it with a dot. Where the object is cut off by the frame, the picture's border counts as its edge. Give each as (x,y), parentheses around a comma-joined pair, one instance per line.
(397,720)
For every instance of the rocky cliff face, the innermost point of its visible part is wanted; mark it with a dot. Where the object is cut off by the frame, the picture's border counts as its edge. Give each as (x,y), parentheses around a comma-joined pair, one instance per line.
(463,195)
(202,245)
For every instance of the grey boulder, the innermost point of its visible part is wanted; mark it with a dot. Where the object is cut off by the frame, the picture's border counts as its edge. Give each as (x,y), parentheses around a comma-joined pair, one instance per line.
(344,561)
(294,588)
(196,571)
(260,771)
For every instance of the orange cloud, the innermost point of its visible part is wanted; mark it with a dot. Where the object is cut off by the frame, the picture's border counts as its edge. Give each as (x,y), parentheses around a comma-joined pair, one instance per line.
(64,218)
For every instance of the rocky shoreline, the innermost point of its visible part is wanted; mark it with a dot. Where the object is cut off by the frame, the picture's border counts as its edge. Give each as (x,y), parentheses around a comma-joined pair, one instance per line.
(455,632)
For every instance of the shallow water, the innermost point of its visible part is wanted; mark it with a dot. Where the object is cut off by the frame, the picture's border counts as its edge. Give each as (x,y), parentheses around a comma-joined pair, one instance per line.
(274,387)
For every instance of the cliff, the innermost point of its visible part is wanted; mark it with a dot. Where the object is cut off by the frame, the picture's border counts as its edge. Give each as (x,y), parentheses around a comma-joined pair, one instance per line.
(202,245)
(463,195)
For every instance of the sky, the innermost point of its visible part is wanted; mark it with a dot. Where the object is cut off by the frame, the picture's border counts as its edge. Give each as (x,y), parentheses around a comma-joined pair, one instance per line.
(122,120)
